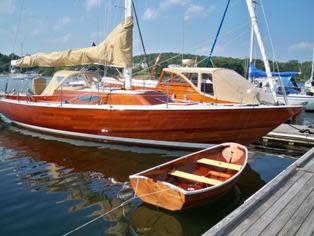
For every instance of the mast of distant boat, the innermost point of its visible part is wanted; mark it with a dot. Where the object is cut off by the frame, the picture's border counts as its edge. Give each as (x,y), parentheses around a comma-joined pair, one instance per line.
(312,71)
(254,24)
(127,72)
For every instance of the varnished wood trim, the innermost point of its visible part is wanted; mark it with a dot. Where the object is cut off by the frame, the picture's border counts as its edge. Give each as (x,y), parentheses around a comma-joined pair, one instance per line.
(219,164)
(195,178)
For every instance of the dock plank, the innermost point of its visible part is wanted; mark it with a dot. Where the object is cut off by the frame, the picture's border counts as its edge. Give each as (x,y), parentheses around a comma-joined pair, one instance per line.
(292,226)
(309,167)
(255,214)
(291,134)
(287,213)
(272,212)
(307,228)
(244,212)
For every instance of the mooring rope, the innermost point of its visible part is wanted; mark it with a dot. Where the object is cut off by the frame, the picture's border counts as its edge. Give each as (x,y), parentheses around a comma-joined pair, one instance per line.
(308,131)
(98,217)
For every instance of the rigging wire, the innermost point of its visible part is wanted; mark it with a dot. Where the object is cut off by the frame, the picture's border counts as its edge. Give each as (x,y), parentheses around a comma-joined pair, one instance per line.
(269,36)
(205,41)
(275,62)
(140,34)
(208,61)
(228,42)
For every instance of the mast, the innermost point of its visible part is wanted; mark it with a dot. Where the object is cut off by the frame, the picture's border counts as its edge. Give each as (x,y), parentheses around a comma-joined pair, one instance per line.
(261,46)
(251,54)
(127,71)
(251,50)
(312,71)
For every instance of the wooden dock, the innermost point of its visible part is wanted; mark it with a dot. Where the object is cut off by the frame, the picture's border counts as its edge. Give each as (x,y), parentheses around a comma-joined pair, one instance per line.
(292,135)
(284,206)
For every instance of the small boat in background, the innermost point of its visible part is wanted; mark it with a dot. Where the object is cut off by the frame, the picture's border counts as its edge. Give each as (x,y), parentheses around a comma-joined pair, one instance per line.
(193,179)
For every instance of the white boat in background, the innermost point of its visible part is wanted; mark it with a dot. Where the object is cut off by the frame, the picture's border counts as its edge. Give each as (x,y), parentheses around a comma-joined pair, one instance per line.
(275,82)
(309,84)
(295,95)
(299,99)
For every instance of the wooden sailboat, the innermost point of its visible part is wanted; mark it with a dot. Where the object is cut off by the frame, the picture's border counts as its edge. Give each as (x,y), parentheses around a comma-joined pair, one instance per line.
(193,179)
(148,117)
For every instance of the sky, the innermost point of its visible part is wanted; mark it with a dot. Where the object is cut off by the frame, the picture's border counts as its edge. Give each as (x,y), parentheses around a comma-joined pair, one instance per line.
(189,26)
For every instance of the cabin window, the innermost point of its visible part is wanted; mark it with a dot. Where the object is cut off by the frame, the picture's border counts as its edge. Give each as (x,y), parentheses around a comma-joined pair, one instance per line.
(172,78)
(88,98)
(207,84)
(166,78)
(75,81)
(178,79)
(191,77)
(59,79)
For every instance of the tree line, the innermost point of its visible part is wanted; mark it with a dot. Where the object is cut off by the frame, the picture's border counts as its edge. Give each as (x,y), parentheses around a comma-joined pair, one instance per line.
(237,64)
(166,59)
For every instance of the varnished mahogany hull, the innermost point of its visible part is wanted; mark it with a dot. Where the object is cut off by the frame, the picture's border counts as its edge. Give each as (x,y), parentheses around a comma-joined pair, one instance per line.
(243,125)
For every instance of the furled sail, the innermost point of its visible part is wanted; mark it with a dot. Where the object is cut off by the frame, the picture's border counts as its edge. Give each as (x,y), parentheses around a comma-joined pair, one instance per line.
(115,50)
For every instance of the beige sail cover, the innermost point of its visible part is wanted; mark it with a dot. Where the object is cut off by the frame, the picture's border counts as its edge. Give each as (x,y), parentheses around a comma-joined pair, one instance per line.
(230,86)
(115,50)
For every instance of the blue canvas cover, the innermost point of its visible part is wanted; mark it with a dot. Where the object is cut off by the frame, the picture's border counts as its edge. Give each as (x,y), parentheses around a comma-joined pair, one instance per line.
(291,86)
(257,73)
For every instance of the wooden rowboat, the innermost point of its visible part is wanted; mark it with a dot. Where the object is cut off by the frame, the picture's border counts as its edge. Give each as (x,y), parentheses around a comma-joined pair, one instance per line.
(193,179)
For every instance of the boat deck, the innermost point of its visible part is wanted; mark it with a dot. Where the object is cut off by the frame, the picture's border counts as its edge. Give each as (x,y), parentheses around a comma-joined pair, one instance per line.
(285,206)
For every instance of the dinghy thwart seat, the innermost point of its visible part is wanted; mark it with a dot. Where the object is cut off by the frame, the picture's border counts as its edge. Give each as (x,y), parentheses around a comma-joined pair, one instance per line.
(219,164)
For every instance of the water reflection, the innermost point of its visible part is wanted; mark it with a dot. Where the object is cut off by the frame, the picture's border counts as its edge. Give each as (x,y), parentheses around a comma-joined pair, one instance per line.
(87,180)
(148,221)
(114,162)
(75,183)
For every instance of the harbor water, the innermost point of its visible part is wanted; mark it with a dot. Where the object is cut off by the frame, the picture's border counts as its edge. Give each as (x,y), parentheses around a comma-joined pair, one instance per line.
(52,185)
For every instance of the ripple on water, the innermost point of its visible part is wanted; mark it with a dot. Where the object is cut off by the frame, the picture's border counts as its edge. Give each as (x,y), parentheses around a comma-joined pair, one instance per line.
(39,195)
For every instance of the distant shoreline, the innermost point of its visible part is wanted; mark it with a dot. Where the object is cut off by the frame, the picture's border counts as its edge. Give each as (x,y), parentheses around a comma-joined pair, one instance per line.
(237,64)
